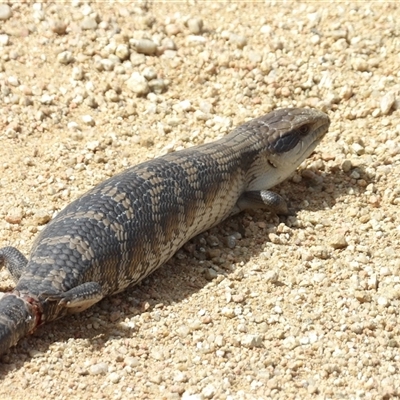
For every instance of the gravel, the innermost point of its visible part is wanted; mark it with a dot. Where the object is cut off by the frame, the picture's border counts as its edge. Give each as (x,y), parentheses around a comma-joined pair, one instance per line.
(304,307)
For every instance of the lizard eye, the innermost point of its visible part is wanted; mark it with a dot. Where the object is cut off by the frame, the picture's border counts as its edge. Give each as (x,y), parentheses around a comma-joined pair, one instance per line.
(303,130)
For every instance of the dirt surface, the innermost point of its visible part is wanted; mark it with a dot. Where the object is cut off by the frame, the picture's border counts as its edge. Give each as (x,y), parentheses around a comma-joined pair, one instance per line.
(305,307)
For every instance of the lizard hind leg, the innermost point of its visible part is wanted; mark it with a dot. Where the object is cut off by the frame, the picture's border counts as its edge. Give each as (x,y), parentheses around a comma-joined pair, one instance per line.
(78,298)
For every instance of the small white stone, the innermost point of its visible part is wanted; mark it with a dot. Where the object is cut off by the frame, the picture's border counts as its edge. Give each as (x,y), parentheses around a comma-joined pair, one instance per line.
(88,23)
(195,25)
(86,9)
(5,12)
(291,342)
(77,74)
(138,84)
(65,57)
(13,81)
(238,40)
(277,310)
(196,396)
(88,120)
(251,341)
(157,85)
(360,65)
(114,377)
(93,146)
(387,102)
(271,276)
(181,377)
(227,312)
(266,29)
(358,149)
(107,64)
(372,282)
(47,99)
(383,301)
(184,105)
(195,39)
(209,391)
(144,46)
(72,125)
(319,277)
(149,73)
(97,369)
(304,340)
(132,361)
(122,52)
(4,40)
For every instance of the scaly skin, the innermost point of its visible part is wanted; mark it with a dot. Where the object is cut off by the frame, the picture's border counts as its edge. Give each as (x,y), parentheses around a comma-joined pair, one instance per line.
(127,226)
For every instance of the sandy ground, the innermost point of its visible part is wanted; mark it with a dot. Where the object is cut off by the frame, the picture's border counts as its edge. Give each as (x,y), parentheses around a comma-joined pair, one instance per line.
(303,307)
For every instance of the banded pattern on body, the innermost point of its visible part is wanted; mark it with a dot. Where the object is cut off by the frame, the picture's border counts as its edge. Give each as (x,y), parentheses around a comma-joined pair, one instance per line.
(127,226)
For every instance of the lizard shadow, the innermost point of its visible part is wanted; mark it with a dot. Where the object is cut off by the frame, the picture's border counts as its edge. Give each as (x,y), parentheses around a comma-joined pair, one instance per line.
(203,259)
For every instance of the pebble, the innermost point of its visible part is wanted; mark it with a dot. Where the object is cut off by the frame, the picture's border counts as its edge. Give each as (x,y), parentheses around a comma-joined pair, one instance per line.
(383,301)
(251,341)
(122,52)
(169,44)
(14,215)
(5,12)
(195,25)
(4,40)
(346,165)
(77,74)
(172,29)
(194,40)
(184,105)
(13,81)
(132,361)
(65,57)
(59,27)
(149,73)
(387,103)
(144,46)
(321,252)
(210,274)
(358,149)
(88,120)
(137,59)
(230,241)
(196,396)
(47,99)
(338,241)
(88,23)
(97,369)
(114,377)
(209,391)
(107,64)
(359,64)
(42,217)
(138,84)
(238,40)
(228,312)
(271,276)
(157,85)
